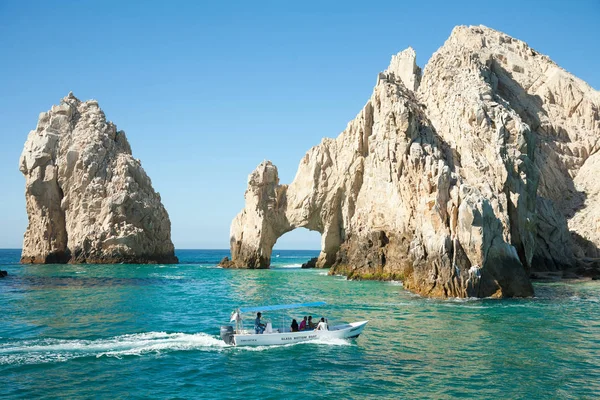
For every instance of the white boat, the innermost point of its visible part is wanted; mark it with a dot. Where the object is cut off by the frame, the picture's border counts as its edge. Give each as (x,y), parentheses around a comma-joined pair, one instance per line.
(283,335)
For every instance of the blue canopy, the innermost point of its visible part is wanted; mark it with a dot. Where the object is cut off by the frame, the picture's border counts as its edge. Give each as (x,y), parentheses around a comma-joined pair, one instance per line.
(282,307)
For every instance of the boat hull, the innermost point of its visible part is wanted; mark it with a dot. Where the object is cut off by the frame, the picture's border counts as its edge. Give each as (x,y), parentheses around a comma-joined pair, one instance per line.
(346,331)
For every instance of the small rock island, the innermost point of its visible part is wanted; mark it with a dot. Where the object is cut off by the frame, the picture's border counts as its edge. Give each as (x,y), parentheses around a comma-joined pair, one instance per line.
(461,181)
(88,200)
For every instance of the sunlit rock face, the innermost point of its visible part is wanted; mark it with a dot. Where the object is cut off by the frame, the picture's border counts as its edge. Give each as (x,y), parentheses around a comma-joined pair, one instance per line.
(88,200)
(559,115)
(454,181)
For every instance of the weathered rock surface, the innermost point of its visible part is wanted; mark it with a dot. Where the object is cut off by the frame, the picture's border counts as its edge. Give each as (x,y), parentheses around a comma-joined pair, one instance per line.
(88,200)
(561,115)
(312,263)
(453,182)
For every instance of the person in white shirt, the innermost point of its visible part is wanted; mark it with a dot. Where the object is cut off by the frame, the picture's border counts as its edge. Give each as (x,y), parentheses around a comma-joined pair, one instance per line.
(322,326)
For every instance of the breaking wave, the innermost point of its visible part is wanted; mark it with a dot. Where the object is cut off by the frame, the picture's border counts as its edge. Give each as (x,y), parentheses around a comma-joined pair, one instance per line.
(288,266)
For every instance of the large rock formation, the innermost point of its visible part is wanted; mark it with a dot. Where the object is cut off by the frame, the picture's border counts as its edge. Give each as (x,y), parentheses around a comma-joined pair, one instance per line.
(88,200)
(459,182)
(558,111)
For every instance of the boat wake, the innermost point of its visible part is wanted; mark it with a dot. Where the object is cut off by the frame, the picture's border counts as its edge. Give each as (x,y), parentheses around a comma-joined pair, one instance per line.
(41,351)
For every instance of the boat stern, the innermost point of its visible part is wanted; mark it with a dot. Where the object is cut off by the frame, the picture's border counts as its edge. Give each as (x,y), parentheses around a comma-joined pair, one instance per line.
(227,334)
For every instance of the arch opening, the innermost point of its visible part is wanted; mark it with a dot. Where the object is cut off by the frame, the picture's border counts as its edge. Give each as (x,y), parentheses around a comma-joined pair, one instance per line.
(295,248)
(318,249)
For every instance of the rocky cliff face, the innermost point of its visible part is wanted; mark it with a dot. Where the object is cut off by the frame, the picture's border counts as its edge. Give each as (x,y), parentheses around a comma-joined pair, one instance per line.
(88,200)
(558,111)
(450,181)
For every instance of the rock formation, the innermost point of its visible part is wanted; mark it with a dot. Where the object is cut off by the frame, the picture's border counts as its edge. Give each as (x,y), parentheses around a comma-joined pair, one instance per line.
(559,112)
(459,182)
(88,200)
(312,263)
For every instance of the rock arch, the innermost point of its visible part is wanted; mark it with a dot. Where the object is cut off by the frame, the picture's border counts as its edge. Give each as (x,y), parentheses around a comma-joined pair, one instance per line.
(435,182)
(273,210)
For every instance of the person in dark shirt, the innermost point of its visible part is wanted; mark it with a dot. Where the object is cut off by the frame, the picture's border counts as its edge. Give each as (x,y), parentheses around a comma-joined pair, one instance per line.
(294,326)
(259,327)
(311,324)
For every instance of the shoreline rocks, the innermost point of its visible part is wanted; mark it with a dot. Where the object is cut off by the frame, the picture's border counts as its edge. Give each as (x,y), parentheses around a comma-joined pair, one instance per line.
(312,263)
(88,200)
(451,180)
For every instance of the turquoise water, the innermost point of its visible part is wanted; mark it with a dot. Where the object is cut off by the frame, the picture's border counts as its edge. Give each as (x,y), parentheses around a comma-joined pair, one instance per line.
(151,331)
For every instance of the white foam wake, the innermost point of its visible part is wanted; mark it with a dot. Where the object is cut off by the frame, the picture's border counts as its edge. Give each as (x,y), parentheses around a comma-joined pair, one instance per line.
(39,351)
(58,350)
(288,266)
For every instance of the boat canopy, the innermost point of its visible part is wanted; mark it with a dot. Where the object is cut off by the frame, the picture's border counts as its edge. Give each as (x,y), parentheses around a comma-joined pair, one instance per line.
(282,307)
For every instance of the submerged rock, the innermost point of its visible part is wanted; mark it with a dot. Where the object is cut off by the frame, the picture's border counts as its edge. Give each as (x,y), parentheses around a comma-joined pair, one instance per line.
(226,263)
(447,181)
(88,200)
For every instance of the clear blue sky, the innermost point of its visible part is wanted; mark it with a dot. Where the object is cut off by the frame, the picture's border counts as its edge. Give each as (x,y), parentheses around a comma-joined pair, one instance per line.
(207,90)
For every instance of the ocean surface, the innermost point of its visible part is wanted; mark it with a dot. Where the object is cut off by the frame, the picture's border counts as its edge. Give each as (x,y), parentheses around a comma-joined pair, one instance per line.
(151,332)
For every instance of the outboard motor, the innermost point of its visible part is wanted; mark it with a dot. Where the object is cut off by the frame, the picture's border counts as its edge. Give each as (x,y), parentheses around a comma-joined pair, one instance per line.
(227,334)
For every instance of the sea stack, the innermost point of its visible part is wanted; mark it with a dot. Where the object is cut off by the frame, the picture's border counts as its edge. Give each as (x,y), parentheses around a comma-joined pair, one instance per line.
(460,181)
(88,200)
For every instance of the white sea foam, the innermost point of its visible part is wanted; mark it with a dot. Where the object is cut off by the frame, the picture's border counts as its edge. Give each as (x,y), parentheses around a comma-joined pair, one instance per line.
(42,351)
(454,300)
(289,266)
(173,277)
(166,276)
(58,350)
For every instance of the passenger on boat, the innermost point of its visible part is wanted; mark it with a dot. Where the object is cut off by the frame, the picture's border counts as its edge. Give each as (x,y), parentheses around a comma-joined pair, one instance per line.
(311,324)
(322,325)
(259,327)
(303,324)
(294,325)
